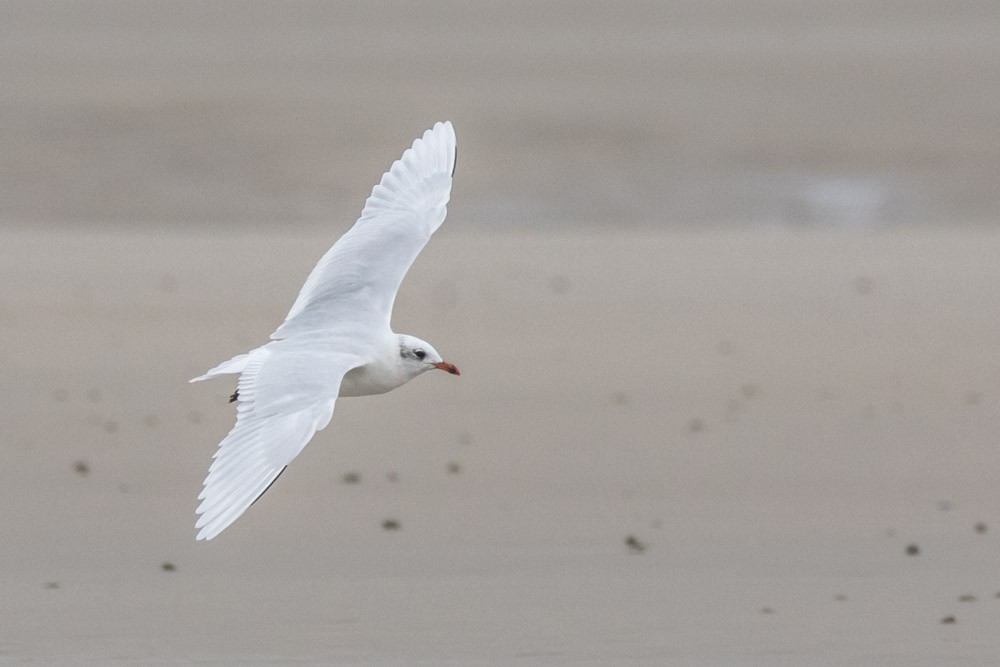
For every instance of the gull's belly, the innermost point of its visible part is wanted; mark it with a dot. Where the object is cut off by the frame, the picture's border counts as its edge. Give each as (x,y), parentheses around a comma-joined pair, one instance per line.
(370,379)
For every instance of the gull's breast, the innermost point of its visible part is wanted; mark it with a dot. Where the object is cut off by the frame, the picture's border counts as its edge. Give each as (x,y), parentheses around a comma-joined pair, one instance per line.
(373,378)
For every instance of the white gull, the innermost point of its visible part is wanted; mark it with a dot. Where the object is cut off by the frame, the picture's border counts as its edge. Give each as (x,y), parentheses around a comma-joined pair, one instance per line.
(336,339)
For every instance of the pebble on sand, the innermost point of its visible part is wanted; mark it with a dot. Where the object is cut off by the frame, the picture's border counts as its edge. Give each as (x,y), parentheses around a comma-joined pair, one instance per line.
(912,550)
(633,545)
(390,524)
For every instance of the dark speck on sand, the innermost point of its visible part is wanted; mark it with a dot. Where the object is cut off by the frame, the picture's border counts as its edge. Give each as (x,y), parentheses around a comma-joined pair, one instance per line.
(390,524)
(167,566)
(81,468)
(633,545)
(912,550)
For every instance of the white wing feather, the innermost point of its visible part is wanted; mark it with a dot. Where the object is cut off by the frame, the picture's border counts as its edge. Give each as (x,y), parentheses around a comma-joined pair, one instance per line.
(284,397)
(357,279)
(287,388)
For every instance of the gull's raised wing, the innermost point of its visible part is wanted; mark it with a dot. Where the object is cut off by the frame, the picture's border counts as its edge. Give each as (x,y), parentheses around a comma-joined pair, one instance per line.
(356,281)
(283,399)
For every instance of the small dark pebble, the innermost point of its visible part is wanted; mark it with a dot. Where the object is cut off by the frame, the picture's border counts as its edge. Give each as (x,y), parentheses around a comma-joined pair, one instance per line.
(454,468)
(980,527)
(81,468)
(167,566)
(390,524)
(948,620)
(840,597)
(912,550)
(634,545)
(967,598)
(351,478)
(392,476)
(52,585)
(766,610)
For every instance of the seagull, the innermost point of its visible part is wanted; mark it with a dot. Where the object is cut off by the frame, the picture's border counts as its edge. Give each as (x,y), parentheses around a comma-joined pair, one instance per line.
(336,339)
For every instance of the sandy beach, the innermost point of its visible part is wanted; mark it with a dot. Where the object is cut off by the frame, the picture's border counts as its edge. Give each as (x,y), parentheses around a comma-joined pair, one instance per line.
(721,279)
(774,417)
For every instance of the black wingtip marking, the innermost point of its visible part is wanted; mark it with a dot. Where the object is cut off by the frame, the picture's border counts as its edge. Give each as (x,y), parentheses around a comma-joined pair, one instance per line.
(454,162)
(234,396)
(268,487)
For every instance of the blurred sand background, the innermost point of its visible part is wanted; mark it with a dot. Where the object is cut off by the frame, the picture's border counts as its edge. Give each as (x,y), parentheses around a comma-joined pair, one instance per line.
(720,277)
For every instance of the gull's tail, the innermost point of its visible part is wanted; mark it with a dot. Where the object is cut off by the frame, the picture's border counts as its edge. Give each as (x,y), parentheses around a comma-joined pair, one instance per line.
(234,365)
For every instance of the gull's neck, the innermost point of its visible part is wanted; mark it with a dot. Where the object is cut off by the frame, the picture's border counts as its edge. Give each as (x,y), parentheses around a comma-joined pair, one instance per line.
(384,373)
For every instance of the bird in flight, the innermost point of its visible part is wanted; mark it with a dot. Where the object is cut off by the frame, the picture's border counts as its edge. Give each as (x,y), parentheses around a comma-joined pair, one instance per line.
(336,339)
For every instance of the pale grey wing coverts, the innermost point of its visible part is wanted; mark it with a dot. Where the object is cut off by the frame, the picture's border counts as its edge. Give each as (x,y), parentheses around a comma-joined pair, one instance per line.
(287,388)
(357,279)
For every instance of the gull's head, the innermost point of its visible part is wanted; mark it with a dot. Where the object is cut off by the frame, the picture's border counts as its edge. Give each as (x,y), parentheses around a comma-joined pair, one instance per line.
(418,356)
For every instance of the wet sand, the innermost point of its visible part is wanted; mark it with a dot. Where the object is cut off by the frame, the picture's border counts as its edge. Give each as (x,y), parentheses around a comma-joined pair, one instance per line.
(773,418)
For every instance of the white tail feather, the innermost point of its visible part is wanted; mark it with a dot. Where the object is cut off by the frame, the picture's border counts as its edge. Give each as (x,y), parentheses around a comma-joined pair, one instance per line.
(234,365)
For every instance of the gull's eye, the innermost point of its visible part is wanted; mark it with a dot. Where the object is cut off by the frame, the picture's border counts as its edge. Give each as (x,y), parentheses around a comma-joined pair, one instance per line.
(419,354)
